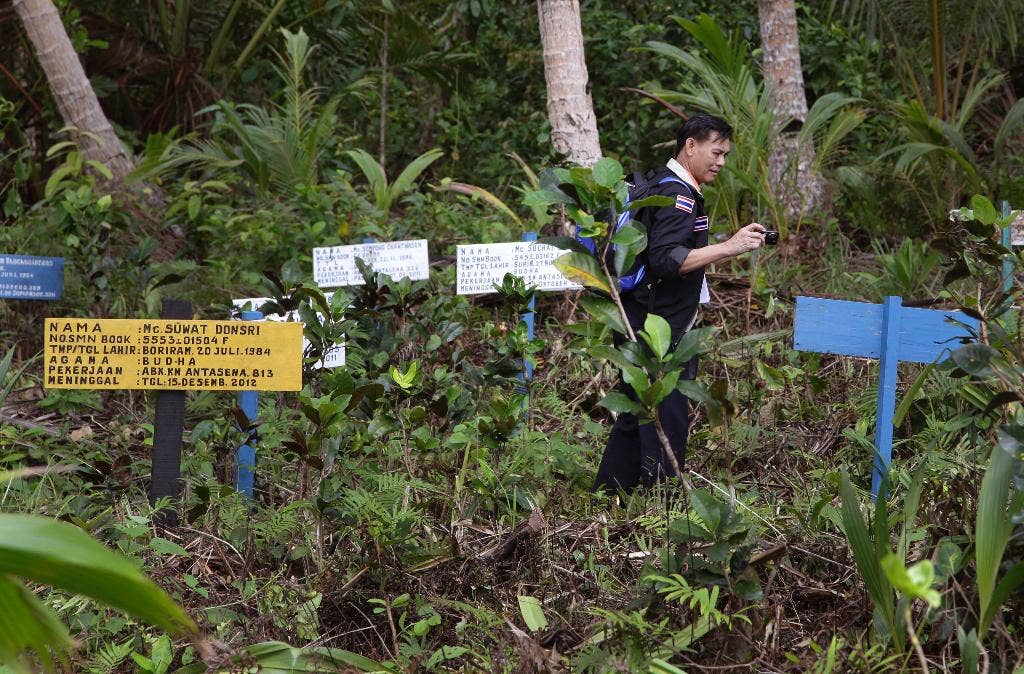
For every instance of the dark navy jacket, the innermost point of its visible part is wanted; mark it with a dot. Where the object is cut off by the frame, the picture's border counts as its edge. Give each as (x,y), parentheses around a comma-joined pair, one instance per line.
(672,232)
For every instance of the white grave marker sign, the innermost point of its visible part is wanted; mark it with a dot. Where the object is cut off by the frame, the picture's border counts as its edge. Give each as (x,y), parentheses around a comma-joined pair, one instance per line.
(335,266)
(335,356)
(481,266)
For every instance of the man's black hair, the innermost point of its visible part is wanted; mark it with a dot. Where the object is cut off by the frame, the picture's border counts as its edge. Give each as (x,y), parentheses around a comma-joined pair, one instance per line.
(700,127)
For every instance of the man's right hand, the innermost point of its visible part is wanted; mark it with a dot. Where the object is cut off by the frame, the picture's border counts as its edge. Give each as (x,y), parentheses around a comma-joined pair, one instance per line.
(746,239)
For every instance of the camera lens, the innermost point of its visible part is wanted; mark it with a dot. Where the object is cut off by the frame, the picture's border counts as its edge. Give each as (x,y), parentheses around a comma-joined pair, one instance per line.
(771,238)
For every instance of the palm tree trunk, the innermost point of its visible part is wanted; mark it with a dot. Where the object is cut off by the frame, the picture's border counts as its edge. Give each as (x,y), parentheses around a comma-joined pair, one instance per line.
(71,89)
(570,107)
(791,168)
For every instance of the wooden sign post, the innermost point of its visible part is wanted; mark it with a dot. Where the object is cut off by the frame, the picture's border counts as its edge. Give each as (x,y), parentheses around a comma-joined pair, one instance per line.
(28,277)
(889,332)
(171,356)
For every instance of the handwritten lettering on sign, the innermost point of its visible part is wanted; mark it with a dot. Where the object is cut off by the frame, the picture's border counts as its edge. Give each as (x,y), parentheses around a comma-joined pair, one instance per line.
(336,266)
(481,266)
(172,355)
(334,356)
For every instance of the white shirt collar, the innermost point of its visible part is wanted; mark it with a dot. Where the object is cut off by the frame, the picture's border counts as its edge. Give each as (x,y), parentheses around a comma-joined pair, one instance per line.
(685,175)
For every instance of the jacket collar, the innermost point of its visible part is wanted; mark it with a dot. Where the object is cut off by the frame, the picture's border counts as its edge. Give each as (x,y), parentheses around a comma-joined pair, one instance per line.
(683,174)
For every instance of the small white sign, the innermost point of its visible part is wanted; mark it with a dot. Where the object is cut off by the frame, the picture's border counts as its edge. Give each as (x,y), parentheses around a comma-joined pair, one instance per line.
(335,356)
(336,266)
(1017,229)
(481,266)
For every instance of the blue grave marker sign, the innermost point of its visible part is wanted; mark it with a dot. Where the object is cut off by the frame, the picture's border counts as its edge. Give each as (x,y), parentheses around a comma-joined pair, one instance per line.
(29,277)
(889,332)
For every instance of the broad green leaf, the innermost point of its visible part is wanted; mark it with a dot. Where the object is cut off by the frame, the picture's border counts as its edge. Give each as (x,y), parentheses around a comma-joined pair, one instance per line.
(660,389)
(974,359)
(636,378)
(603,352)
(607,172)
(547,197)
(655,200)
(162,546)
(657,334)
(621,403)
(914,581)
(984,210)
(773,377)
(582,269)
(604,310)
(373,172)
(408,378)
(61,555)
(629,242)
(404,182)
(533,614)
(29,627)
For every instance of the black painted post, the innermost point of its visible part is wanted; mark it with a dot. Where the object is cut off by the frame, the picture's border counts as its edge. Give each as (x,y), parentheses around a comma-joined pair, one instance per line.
(167,432)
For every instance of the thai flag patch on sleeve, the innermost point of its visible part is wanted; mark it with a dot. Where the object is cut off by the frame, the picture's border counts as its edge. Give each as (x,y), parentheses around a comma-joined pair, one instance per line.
(684,203)
(700,224)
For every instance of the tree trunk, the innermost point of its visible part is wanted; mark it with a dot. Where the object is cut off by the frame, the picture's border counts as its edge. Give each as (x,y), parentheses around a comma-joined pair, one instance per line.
(71,89)
(792,174)
(570,108)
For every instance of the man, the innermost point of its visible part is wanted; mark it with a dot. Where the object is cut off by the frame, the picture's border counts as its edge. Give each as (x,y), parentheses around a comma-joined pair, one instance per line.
(677,252)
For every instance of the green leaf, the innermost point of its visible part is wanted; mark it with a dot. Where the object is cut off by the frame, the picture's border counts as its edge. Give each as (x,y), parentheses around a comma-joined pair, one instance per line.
(404,182)
(911,395)
(993,526)
(408,378)
(605,311)
(582,269)
(636,378)
(533,614)
(547,197)
(27,626)
(657,334)
(621,403)
(863,550)
(660,389)
(607,172)
(654,200)
(983,209)
(605,352)
(629,242)
(970,650)
(974,359)
(915,581)
(162,546)
(1013,579)
(62,555)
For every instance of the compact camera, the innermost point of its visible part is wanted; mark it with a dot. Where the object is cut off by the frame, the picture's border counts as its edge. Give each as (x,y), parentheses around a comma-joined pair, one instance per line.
(771,238)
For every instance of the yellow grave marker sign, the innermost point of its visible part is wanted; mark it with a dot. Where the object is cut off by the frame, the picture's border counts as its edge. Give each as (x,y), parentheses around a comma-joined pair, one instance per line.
(108,353)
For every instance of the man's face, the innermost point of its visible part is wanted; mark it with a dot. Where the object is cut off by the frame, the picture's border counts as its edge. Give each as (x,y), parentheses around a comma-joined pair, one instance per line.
(705,158)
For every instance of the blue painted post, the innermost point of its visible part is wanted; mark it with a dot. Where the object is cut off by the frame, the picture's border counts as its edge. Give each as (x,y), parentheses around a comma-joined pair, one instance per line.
(245,457)
(887,369)
(1007,243)
(528,317)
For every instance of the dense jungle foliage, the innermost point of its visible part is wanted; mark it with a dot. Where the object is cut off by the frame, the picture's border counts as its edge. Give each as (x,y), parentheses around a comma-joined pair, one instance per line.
(425,508)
